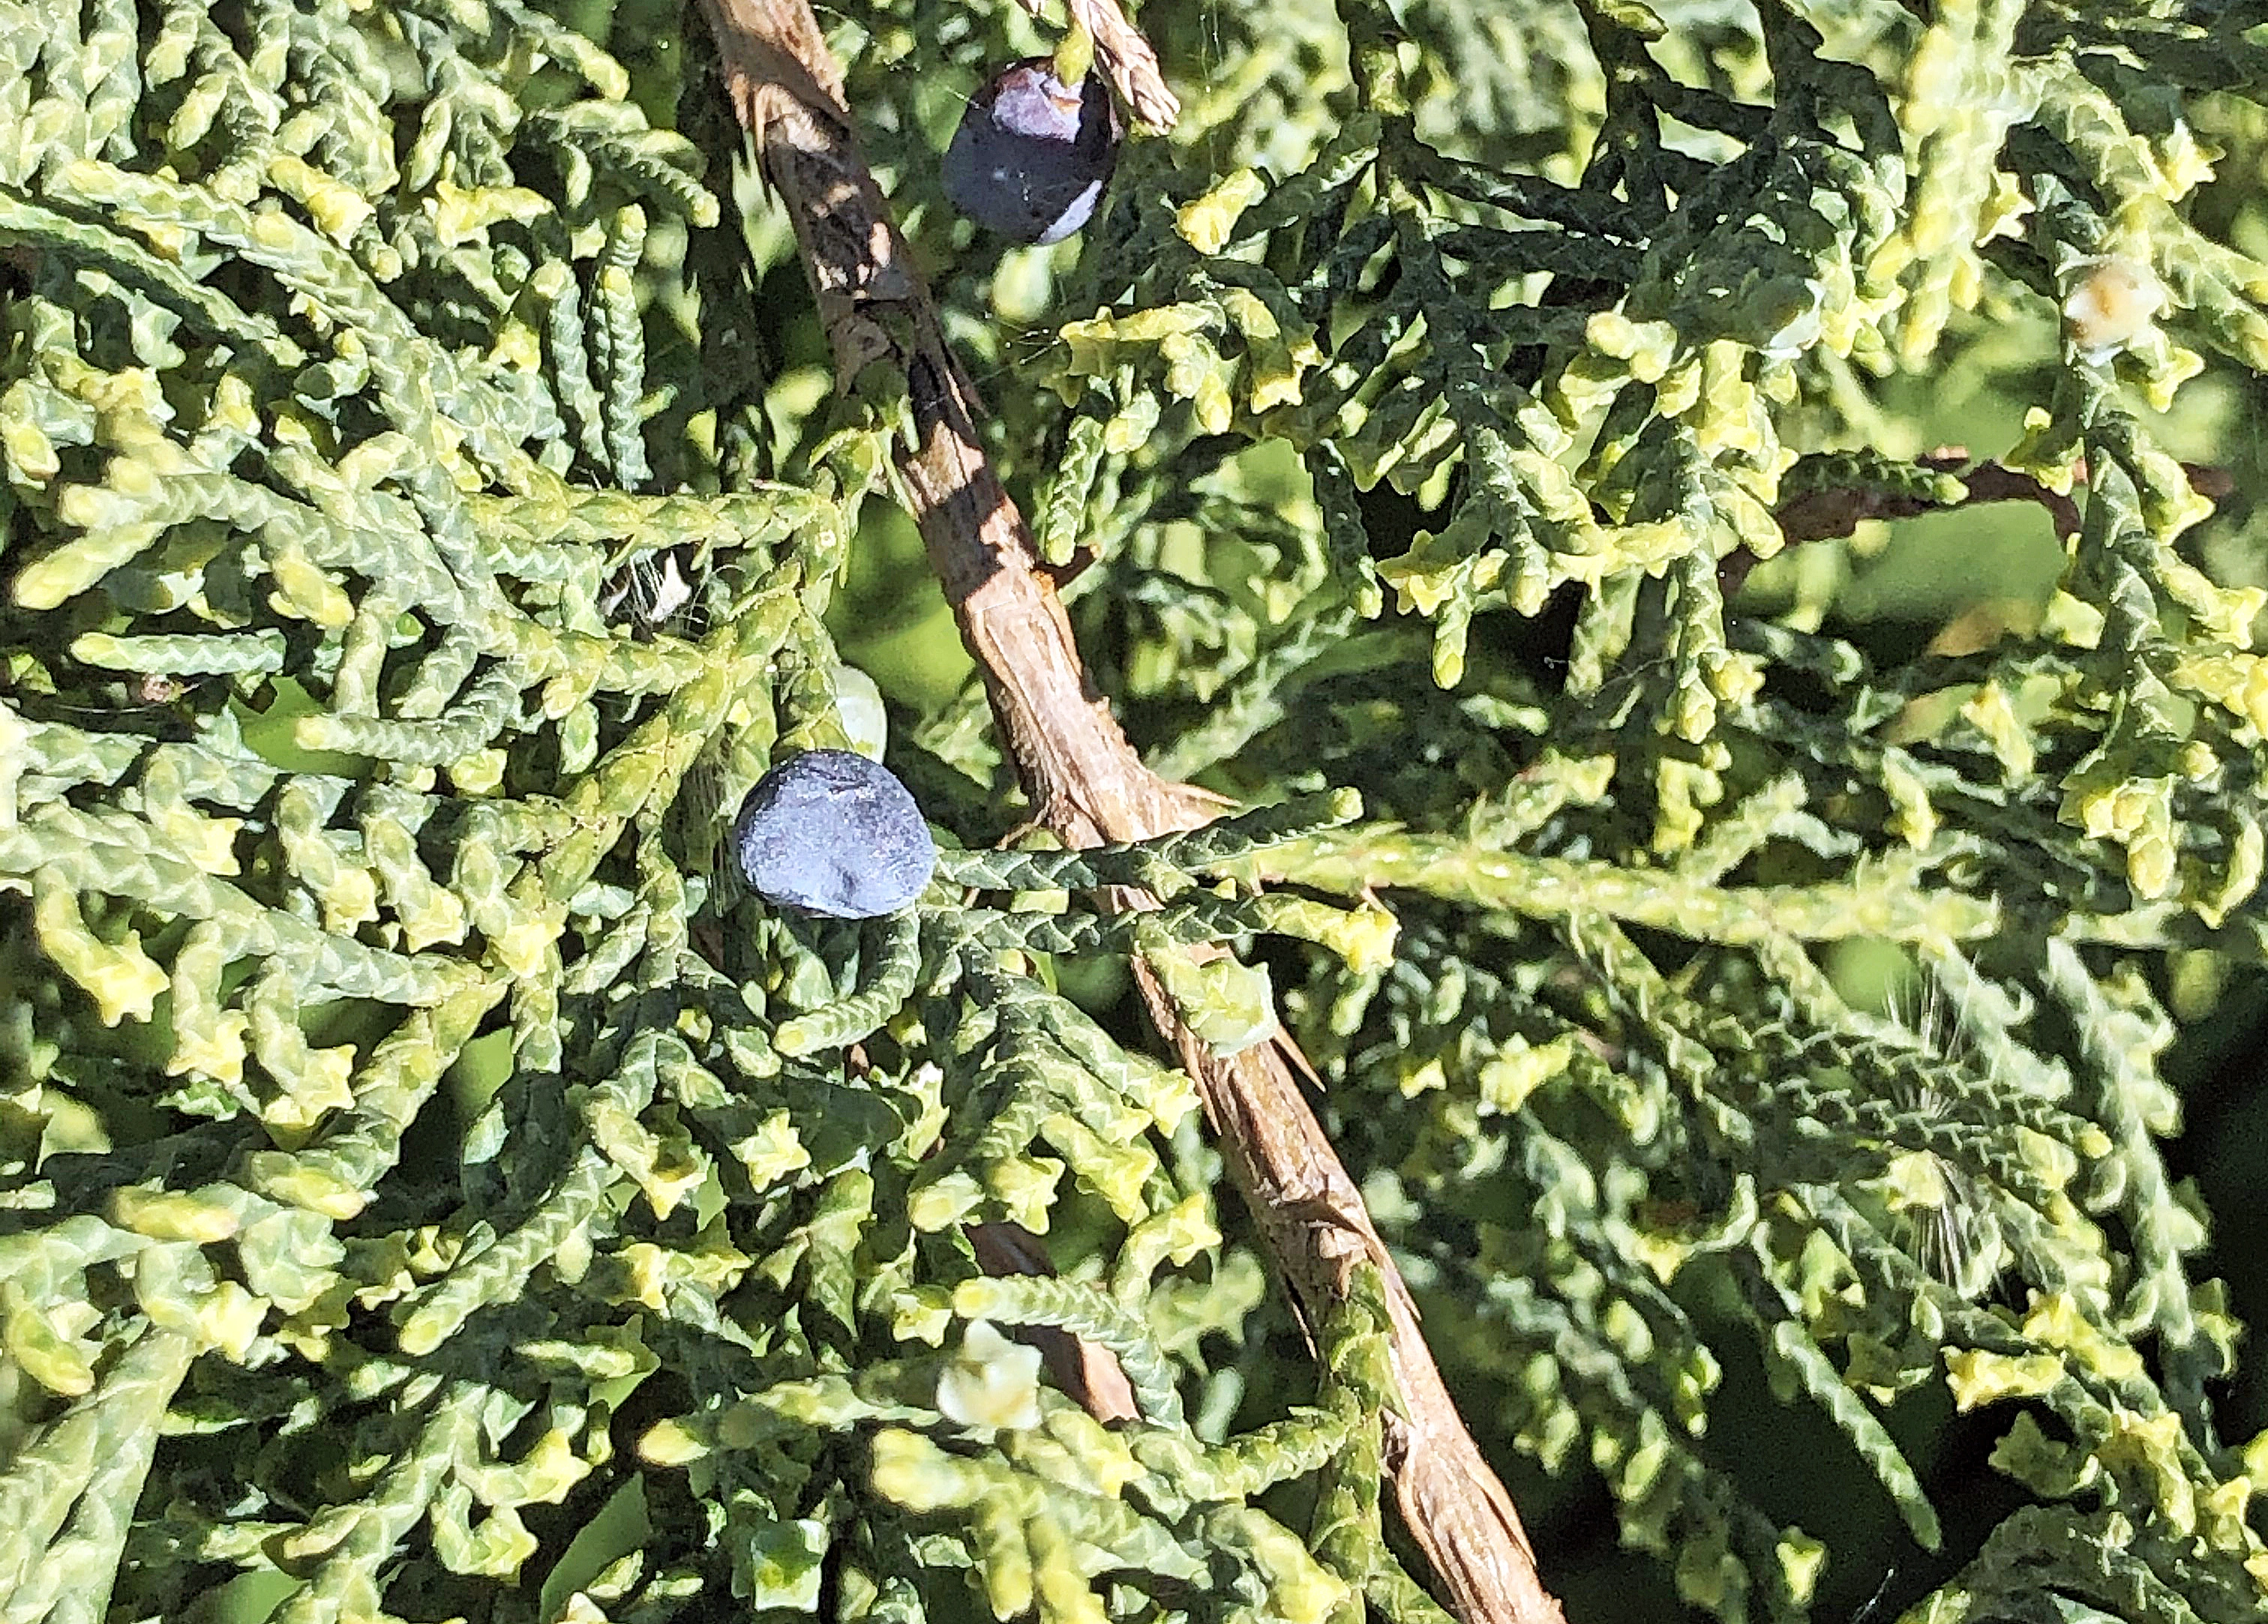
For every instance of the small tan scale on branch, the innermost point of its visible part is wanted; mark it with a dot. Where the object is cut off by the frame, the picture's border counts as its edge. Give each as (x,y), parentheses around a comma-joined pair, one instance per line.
(1084,779)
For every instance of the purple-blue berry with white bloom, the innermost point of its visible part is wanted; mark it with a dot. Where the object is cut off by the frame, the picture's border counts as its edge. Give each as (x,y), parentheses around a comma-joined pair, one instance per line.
(1032,155)
(830,832)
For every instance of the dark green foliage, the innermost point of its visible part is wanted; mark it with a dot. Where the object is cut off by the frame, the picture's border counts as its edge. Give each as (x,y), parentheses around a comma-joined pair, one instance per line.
(432,1190)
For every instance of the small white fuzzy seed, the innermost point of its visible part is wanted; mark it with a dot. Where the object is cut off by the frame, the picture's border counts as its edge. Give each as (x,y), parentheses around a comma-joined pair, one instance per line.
(993,1382)
(2113,304)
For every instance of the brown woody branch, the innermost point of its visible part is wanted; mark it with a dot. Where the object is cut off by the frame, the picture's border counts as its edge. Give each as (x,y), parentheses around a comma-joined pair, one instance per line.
(1083,777)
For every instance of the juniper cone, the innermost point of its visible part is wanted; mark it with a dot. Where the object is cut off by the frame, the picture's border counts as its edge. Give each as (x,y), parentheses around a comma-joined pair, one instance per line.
(830,832)
(1032,155)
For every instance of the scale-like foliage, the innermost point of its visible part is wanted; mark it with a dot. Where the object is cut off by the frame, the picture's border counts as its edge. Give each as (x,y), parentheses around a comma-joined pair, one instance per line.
(433,1189)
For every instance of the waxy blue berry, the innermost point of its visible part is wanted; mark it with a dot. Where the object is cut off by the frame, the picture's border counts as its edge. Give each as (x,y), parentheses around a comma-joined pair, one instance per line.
(830,832)
(1032,155)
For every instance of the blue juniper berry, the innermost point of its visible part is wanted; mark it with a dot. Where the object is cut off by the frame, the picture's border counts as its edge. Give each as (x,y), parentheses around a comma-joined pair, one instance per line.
(830,832)
(1032,155)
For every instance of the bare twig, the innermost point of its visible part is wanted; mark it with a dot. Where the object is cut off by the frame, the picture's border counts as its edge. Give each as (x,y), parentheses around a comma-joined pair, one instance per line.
(1083,777)
(1822,515)
(1817,515)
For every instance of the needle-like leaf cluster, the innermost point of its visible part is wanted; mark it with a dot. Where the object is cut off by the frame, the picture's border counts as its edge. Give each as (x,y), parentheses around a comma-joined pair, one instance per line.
(431,1187)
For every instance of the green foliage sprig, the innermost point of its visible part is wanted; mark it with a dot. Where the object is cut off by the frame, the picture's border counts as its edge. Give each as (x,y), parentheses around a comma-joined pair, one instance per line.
(432,1190)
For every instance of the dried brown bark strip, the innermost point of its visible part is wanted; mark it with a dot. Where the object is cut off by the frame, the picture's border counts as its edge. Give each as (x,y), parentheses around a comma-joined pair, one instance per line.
(1083,778)
(1126,56)
(1089,1373)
